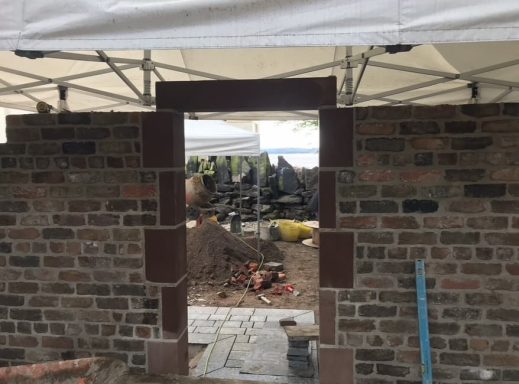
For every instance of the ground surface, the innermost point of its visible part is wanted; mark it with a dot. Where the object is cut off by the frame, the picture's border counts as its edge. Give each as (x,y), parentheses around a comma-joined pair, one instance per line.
(251,345)
(302,269)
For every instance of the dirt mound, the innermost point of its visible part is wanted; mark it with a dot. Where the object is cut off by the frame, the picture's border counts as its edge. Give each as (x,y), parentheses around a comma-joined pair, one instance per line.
(212,252)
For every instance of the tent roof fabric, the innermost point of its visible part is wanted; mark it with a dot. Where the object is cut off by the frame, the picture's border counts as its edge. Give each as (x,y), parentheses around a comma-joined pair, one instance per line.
(425,75)
(95,48)
(182,24)
(217,138)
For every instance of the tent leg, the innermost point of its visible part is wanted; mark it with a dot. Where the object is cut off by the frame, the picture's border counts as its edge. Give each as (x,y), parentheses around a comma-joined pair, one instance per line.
(258,211)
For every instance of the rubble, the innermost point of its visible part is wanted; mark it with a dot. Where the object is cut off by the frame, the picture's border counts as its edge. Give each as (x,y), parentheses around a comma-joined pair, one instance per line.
(274,266)
(213,252)
(285,191)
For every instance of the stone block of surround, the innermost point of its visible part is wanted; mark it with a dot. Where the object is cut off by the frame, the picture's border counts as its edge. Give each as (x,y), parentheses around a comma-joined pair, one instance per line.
(165,247)
(165,256)
(436,183)
(336,366)
(163,140)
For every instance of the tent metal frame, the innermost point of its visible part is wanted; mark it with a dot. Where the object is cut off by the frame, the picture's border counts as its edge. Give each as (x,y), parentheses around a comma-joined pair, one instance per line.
(348,94)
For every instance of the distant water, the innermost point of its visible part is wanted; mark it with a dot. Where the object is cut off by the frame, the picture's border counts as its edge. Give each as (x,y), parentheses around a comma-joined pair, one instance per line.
(300,160)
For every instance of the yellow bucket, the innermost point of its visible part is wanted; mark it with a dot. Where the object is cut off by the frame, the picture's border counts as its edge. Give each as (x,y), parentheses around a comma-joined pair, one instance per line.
(291,230)
(288,229)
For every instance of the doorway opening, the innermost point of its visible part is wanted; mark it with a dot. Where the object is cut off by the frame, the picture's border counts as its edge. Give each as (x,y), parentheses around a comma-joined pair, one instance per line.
(272,355)
(224,267)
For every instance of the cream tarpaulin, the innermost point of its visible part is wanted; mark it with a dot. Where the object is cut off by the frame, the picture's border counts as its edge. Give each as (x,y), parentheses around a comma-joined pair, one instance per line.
(186,24)
(217,138)
(347,39)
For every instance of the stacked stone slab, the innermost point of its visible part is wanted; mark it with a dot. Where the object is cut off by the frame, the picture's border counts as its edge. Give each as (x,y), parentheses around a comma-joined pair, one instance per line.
(299,353)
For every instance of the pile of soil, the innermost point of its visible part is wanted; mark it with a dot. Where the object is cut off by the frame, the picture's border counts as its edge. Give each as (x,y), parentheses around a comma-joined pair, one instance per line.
(212,252)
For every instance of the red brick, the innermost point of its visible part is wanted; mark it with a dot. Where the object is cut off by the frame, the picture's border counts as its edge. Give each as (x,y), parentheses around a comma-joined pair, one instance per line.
(481,268)
(139,191)
(512,269)
(74,276)
(501,360)
(467,206)
(398,222)
(500,126)
(485,222)
(443,111)
(421,176)
(506,174)
(478,344)
(93,234)
(29,192)
(499,238)
(376,128)
(76,302)
(443,222)
(366,160)
(391,112)
(57,342)
(375,237)
(408,357)
(360,222)
(22,341)
(377,175)
(417,238)
(376,282)
(460,284)
(429,143)
(25,233)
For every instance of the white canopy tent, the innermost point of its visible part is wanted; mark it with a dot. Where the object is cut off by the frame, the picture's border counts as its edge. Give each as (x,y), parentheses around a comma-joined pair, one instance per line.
(217,138)
(458,51)
(187,24)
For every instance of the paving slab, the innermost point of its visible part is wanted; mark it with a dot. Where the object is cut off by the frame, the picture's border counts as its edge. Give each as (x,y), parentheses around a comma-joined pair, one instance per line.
(242,311)
(234,363)
(269,355)
(198,316)
(242,339)
(242,346)
(198,309)
(222,311)
(203,323)
(247,336)
(247,324)
(217,356)
(233,331)
(205,338)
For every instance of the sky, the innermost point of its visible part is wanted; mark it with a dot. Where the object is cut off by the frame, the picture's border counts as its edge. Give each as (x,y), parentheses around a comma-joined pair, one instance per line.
(284,134)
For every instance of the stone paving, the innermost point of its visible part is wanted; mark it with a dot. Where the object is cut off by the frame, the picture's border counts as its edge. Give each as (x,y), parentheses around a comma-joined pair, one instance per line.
(238,351)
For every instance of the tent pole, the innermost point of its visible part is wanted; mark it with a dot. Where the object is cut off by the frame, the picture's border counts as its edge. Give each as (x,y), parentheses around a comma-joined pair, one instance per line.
(147,67)
(241,171)
(361,75)
(499,97)
(404,89)
(258,211)
(121,75)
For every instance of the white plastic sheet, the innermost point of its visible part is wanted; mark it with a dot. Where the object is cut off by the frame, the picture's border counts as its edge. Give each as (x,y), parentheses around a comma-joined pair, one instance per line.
(182,24)
(217,138)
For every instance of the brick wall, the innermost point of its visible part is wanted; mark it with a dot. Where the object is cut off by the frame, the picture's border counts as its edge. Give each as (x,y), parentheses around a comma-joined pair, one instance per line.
(440,184)
(76,202)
